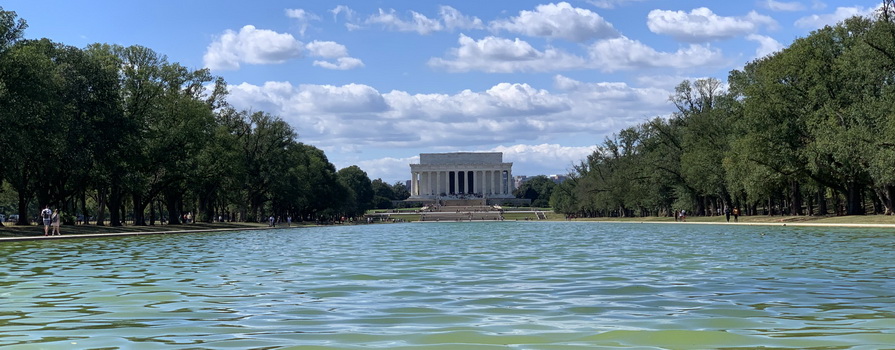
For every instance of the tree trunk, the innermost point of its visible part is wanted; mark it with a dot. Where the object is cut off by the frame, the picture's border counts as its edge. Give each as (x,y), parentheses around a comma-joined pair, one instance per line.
(853,199)
(206,205)
(23,210)
(888,199)
(877,201)
(115,206)
(139,210)
(101,207)
(795,198)
(84,208)
(809,205)
(822,201)
(171,200)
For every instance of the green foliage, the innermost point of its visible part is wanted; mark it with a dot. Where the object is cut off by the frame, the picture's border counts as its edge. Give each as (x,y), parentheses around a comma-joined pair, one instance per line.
(360,190)
(11,28)
(812,117)
(538,189)
(122,129)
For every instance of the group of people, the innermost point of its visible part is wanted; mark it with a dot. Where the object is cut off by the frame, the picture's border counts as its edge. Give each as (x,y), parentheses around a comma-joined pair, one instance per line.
(272,222)
(51,219)
(681,215)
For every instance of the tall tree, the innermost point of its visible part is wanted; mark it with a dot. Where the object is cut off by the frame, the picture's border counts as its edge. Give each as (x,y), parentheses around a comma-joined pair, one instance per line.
(537,189)
(360,190)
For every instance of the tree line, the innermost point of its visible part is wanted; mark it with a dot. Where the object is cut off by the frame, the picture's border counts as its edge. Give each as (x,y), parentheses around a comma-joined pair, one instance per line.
(116,132)
(808,130)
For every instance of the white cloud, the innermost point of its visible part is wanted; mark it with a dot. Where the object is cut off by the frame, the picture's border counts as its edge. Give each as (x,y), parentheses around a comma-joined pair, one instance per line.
(558,21)
(534,121)
(297,104)
(766,45)
(250,45)
(453,19)
(449,19)
(419,22)
(303,18)
(334,51)
(531,160)
(608,4)
(528,158)
(820,20)
(350,15)
(623,53)
(702,25)
(499,55)
(506,113)
(389,169)
(326,49)
(774,5)
(341,63)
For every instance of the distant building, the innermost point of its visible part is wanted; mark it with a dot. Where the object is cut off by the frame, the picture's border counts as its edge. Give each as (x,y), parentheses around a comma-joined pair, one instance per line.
(558,179)
(461,174)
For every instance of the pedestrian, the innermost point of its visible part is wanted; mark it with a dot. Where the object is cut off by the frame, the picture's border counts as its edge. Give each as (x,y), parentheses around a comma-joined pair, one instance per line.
(56,221)
(270,221)
(736,214)
(727,213)
(289,221)
(46,215)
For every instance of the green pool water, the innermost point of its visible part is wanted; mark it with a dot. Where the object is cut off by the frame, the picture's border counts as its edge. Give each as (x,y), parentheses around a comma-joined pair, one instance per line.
(493,285)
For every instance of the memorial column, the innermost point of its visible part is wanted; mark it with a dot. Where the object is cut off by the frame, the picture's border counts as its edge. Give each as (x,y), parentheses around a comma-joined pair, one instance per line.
(511,182)
(422,187)
(503,184)
(475,181)
(431,182)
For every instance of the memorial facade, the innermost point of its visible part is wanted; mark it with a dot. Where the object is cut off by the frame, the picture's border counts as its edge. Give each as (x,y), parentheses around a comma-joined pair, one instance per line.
(461,175)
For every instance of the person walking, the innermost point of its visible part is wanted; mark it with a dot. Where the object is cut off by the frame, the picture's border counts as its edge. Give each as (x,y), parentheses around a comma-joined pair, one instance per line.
(46,215)
(727,213)
(736,214)
(55,222)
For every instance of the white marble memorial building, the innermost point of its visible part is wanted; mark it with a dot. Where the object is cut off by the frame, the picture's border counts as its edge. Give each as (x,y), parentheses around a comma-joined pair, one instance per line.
(461,175)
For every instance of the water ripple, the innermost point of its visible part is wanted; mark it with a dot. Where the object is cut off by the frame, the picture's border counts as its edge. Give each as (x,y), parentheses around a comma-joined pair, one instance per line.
(456,285)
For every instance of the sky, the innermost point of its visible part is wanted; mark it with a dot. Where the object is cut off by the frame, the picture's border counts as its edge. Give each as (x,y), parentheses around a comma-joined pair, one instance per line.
(376,83)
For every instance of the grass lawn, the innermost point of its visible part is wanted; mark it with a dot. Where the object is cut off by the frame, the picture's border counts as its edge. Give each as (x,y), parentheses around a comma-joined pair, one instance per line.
(10,230)
(851,219)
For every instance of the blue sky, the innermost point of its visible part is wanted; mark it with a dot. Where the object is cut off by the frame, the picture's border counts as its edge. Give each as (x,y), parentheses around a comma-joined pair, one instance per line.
(375,83)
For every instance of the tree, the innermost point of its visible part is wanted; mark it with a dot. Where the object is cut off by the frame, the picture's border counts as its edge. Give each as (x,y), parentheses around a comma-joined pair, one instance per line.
(30,104)
(538,189)
(11,28)
(360,190)
(383,194)
(401,191)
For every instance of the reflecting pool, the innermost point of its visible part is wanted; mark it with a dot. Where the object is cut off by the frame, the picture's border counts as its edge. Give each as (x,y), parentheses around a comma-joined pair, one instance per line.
(494,285)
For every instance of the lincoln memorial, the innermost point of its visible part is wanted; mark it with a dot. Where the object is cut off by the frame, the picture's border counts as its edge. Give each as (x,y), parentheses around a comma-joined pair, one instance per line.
(461,175)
